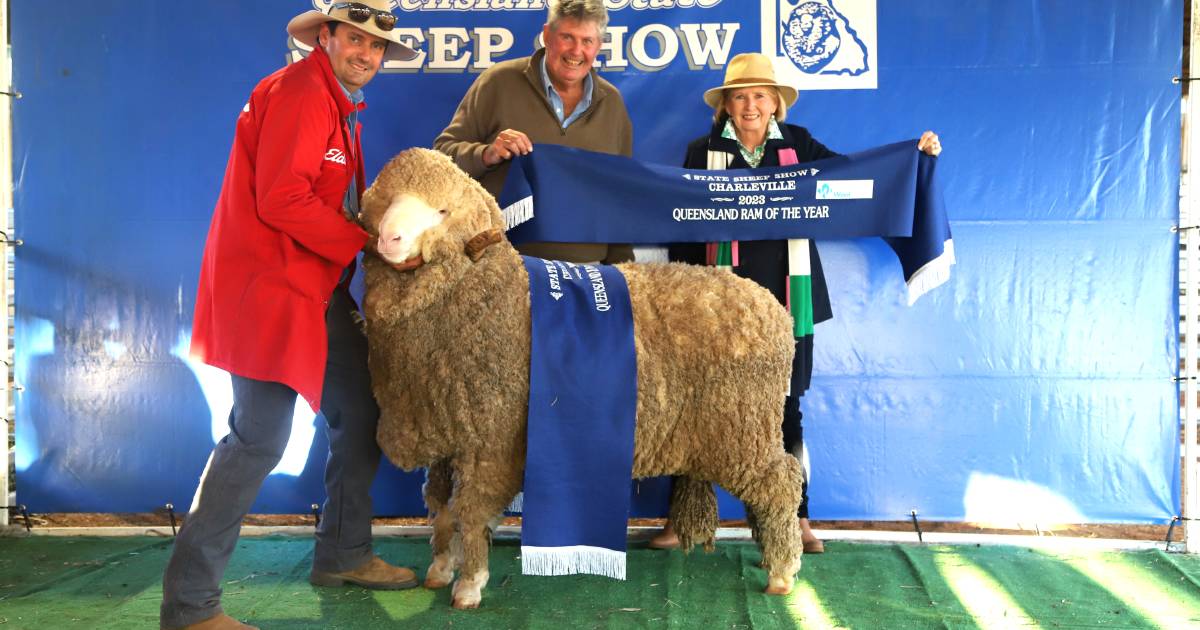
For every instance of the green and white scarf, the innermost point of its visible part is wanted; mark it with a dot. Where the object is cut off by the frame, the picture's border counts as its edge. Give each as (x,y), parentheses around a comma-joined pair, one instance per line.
(724,254)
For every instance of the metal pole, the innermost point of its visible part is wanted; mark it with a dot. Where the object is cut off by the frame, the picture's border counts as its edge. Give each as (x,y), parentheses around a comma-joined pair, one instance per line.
(7,498)
(1190,281)
(1187,389)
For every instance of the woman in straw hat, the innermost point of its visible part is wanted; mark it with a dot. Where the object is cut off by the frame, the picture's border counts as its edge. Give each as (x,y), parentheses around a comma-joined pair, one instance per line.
(748,132)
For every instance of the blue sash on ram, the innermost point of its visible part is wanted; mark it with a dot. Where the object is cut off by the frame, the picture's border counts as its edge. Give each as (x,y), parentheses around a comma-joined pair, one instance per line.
(890,191)
(582,405)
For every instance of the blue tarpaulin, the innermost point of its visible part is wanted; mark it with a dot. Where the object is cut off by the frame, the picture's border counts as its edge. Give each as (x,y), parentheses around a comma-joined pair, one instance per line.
(1035,386)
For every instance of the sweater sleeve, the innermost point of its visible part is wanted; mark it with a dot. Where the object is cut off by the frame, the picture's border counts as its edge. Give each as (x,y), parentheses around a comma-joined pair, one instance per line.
(293,133)
(465,138)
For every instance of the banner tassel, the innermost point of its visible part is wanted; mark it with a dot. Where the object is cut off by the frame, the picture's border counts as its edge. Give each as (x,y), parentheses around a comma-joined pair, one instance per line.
(518,212)
(573,561)
(931,275)
(517,505)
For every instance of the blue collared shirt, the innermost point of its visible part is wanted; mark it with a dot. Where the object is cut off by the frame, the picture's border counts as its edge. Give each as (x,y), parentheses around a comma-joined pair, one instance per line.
(557,103)
(351,200)
(356,97)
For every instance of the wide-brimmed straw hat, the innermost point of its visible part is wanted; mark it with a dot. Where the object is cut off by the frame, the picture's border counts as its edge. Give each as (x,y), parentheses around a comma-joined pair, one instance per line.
(371,16)
(749,70)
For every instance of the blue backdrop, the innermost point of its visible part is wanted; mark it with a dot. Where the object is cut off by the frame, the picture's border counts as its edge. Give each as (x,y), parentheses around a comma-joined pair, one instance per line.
(1035,386)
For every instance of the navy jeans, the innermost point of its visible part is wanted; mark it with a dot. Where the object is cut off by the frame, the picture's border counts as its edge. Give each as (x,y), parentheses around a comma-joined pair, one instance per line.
(259,426)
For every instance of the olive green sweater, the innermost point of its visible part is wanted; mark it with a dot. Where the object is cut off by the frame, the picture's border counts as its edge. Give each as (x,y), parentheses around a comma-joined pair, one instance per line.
(510,95)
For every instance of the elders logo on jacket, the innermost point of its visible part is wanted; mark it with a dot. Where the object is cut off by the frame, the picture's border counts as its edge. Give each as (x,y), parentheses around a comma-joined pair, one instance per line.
(336,156)
(822,44)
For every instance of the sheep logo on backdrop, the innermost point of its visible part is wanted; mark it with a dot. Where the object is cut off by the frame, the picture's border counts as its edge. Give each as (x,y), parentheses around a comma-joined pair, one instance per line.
(822,44)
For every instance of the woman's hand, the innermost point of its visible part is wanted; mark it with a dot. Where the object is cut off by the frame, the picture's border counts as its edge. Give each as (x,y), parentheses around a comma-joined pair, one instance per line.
(930,144)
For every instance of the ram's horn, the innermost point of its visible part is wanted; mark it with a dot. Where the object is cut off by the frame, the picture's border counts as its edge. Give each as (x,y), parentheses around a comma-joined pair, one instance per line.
(481,241)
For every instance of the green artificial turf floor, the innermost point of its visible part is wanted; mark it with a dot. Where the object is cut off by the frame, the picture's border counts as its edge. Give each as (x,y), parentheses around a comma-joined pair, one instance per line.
(49,583)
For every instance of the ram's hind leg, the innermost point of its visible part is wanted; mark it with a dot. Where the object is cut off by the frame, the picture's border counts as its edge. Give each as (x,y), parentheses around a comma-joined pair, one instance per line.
(771,492)
(482,491)
(447,547)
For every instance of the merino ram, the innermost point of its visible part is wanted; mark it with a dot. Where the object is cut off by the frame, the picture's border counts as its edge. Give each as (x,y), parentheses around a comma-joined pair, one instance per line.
(448,321)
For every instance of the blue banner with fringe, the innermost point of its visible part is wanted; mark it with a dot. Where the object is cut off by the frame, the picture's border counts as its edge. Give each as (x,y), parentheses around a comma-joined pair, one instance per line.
(562,194)
(582,409)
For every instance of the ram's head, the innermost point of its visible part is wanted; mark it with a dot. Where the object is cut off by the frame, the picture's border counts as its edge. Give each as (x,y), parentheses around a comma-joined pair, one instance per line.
(422,208)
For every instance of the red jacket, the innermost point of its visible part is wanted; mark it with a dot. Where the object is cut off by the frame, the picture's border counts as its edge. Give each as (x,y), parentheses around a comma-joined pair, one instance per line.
(278,240)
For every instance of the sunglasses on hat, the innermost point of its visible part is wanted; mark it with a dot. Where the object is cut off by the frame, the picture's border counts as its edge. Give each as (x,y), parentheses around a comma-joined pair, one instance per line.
(360,13)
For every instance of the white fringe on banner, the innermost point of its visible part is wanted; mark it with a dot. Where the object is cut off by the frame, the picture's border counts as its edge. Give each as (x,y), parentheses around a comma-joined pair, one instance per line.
(518,212)
(518,504)
(573,560)
(932,274)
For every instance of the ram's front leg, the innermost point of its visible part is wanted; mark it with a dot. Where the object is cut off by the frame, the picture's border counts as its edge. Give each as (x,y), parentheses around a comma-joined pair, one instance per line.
(483,487)
(447,550)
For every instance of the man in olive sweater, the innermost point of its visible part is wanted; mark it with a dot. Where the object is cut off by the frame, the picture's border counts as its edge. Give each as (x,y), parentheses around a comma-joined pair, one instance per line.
(551,97)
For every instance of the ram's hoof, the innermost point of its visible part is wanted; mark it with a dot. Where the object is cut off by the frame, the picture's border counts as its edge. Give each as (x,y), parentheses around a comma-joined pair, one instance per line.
(465,604)
(468,592)
(436,583)
(779,585)
(440,573)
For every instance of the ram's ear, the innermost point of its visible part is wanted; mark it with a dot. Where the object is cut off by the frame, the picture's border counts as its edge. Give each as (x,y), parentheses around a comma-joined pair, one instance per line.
(479,243)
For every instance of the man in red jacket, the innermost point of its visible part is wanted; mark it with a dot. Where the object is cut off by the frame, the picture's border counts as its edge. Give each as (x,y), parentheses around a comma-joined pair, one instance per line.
(274,311)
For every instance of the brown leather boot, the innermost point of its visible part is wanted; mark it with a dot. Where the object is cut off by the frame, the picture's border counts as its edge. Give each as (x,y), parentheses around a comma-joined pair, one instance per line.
(375,574)
(811,543)
(220,622)
(666,539)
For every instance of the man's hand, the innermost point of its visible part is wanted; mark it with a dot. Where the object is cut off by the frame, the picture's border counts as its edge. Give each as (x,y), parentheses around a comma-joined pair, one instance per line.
(508,143)
(930,144)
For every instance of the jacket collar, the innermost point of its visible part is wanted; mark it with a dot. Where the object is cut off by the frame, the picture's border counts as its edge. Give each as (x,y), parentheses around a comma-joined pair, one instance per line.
(325,69)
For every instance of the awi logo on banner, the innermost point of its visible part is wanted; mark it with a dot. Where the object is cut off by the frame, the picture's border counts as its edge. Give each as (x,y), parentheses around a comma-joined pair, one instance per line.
(822,44)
